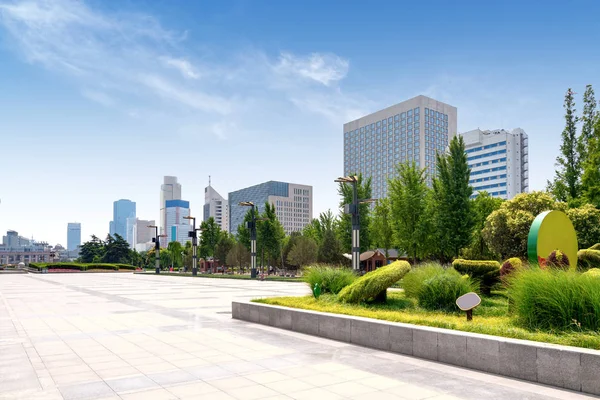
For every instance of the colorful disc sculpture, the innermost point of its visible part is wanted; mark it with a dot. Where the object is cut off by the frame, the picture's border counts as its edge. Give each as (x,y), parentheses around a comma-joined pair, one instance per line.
(551,230)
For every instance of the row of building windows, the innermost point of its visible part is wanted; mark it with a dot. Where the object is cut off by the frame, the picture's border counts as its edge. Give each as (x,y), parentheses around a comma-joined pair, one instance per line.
(493,153)
(496,161)
(489,146)
(497,193)
(494,185)
(488,178)
(485,171)
(405,118)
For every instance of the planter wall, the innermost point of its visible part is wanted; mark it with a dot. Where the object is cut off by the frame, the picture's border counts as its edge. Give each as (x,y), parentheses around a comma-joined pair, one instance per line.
(560,366)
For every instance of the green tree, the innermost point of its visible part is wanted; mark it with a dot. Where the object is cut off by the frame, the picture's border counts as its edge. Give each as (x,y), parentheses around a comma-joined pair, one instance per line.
(243,233)
(330,250)
(165,258)
(93,249)
(289,242)
(303,253)
(238,256)
(175,250)
(211,233)
(116,250)
(224,246)
(188,255)
(381,225)
(567,185)
(591,173)
(270,236)
(345,224)
(452,192)
(586,221)
(506,229)
(408,197)
(588,119)
(483,205)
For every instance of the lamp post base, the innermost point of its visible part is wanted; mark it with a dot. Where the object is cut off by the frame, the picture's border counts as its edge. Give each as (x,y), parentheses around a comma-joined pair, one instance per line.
(194,271)
(157,270)
(253,273)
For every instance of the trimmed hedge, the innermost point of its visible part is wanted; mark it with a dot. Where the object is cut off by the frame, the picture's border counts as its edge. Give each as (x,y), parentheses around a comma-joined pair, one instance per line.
(587,259)
(594,272)
(81,267)
(595,247)
(487,273)
(558,260)
(373,285)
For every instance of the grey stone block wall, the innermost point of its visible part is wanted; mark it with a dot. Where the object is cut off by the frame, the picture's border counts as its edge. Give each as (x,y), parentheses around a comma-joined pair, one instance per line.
(560,366)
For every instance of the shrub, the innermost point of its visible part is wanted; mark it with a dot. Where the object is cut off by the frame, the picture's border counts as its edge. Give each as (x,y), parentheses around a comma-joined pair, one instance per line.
(110,267)
(412,282)
(558,260)
(126,267)
(487,273)
(587,259)
(58,265)
(330,279)
(595,247)
(593,272)
(509,266)
(440,291)
(555,299)
(373,285)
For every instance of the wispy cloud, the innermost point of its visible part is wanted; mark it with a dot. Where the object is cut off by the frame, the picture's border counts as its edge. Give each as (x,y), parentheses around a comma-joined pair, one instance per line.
(116,57)
(184,66)
(322,68)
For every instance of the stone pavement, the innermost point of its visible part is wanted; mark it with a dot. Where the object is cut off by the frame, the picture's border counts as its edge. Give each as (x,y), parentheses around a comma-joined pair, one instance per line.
(125,336)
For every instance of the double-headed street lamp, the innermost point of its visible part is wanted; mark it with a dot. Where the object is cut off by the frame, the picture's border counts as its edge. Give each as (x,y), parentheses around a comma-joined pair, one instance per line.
(156,241)
(194,235)
(252,227)
(353,209)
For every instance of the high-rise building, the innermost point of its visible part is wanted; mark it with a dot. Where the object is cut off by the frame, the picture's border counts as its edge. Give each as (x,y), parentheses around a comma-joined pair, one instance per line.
(293,204)
(140,233)
(177,227)
(122,209)
(12,240)
(73,236)
(216,206)
(498,160)
(169,190)
(412,131)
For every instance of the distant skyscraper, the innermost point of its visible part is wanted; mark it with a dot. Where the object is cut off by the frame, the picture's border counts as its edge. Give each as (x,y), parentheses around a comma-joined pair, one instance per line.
(414,131)
(169,190)
(122,209)
(140,233)
(216,206)
(73,236)
(293,204)
(177,227)
(498,160)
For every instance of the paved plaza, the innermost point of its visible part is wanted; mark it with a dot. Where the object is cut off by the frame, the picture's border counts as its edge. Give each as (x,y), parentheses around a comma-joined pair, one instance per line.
(146,337)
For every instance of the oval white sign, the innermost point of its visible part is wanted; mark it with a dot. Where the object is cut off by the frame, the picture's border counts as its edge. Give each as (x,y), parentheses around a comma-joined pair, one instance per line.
(468,301)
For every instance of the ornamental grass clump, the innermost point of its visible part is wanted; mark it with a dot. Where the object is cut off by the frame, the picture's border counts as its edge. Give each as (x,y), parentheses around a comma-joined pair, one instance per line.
(373,285)
(439,292)
(487,273)
(412,282)
(555,299)
(330,279)
(587,259)
(558,260)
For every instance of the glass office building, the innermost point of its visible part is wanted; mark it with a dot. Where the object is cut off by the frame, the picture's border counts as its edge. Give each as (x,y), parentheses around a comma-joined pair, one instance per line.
(412,131)
(73,236)
(293,204)
(122,209)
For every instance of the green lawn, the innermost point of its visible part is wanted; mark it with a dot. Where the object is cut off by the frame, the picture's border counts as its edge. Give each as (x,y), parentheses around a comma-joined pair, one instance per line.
(491,317)
(221,276)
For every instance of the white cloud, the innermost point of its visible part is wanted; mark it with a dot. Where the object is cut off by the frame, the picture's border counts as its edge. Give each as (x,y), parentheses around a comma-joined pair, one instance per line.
(98,97)
(184,66)
(323,68)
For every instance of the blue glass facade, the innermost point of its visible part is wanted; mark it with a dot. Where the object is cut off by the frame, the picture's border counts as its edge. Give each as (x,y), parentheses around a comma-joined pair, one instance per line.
(122,209)
(258,194)
(177,203)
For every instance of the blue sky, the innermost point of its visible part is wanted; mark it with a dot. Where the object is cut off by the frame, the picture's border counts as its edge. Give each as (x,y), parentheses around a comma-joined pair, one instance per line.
(99,100)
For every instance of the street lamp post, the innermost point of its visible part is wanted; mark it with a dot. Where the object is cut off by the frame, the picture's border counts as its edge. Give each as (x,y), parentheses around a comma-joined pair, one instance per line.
(354,211)
(194,235)
(156,247)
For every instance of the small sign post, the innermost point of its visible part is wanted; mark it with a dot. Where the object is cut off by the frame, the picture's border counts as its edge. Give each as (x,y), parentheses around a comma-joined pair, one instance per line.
(467,302)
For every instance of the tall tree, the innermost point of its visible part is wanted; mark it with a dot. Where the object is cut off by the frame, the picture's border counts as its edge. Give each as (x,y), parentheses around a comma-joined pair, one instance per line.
(454,219)
(566,185)
(303,253)
(330,250)
(176,252)
(588,119)
(270,236)
(224,245)
(211,232)
(591,173)
(408,197)
(483,205)
(93,249)
(381,225)
(116,250)
(345,224)
(238,256)
(243,233)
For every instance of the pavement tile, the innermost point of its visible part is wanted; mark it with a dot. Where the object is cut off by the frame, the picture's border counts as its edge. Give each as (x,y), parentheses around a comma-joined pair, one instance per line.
(133,383)
(289,386)
(192,389)
(153,394)
(86,391)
